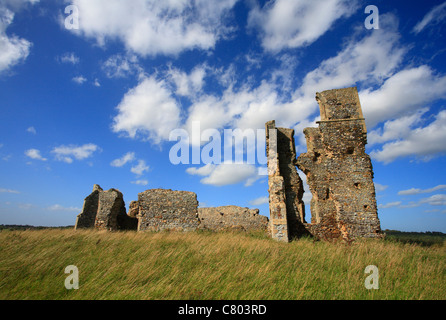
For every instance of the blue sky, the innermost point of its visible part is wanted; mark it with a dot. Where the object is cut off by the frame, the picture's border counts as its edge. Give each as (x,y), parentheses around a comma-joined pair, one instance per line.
(95,103)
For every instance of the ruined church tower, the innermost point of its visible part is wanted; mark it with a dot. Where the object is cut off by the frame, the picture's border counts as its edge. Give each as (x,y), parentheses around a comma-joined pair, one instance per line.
(339,172)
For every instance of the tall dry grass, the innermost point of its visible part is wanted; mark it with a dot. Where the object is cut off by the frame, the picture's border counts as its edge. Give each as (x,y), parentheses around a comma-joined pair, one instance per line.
(205,265)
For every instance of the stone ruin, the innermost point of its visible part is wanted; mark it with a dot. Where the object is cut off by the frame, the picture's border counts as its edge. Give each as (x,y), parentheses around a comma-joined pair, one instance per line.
(232,218)
(163,210)
(339,174)
(105,210)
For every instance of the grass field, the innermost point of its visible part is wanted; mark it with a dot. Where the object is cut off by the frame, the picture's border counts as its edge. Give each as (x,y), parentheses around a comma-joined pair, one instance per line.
(206,265)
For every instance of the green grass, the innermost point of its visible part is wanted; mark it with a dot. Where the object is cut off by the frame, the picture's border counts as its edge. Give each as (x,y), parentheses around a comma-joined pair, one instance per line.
(206,265)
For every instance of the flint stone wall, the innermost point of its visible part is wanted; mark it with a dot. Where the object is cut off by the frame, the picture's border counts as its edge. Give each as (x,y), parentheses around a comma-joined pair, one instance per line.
(287,210)
(232,217)
(165,209)
(339,172)
(105,210)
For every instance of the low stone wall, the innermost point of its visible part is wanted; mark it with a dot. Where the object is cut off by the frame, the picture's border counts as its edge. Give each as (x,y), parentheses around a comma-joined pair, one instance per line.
(165,209)
(232,217)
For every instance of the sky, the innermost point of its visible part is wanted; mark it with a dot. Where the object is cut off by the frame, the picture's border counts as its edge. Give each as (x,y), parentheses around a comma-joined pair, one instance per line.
(139,94)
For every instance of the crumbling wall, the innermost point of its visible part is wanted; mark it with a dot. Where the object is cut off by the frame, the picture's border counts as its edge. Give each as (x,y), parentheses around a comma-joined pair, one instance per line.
(287,210)
(339,172)
(232,217)
(165,209)
(105,210)
(87,218)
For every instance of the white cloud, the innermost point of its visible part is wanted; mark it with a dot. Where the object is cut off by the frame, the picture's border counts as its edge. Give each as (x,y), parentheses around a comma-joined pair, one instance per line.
(201,171)
(369,59)
(395,129)
(149,110)
(69,57)
(34,154)
(390,205)
(13,49)
(297,23)
(128,157)
(67,153)
(152,27)
(226,174)
(379,187)
(31,130)
(434,16)
(435,200)
(394,99)
(414,191)
(16,5)
(2,190)
(140,168)
(58,207)
(259,201)
(188,84)
(120,66)
(79,79)
(96,83)
(422,142)
(140,182)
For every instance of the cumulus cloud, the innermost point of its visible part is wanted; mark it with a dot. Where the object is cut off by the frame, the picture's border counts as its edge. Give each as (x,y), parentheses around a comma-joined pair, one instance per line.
(152,27)
(368,60)
(372,61)
(395,129)
(140,168)
(70,152)
(128,157)
(34,154)
(188,85)
(148,110)
(293,24)
(423,142)
(404,92)
(201,171)
(226,174)
(13,49)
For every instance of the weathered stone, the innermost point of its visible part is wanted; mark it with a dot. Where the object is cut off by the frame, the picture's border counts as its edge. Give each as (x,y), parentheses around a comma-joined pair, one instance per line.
(339,172)
(105,210)
(87,218)
(287,210)
(165,209)
(133,209)
(232,218)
